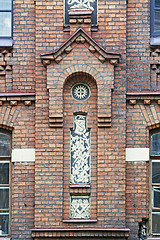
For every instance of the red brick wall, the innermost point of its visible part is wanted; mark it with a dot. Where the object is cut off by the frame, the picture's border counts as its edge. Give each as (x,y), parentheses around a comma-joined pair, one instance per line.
(38,27)
(137,195)
(138,48)
(20,121)
(22,208)
(24,46)
(140,119)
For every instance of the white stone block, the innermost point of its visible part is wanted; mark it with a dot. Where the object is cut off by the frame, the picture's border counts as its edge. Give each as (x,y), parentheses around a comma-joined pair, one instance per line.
(23,155)
(137,154)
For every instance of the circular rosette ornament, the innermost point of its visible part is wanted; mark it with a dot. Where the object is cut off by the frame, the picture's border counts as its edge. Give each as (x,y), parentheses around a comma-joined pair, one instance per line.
(80,92)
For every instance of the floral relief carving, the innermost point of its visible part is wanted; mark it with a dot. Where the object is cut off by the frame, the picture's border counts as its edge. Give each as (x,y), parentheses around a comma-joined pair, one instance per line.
(80,207)
(80,151)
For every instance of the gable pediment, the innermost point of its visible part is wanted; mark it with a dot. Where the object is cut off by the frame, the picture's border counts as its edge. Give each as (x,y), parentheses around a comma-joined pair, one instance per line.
(80,54)
(80,36)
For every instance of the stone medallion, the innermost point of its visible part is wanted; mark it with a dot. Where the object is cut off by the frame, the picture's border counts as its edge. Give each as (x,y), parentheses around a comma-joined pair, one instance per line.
(80,92)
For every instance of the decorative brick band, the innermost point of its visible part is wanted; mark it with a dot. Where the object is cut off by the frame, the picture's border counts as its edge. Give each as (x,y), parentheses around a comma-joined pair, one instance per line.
(104,121)
(108,233)
(145,95)
(5,61)
(14,97)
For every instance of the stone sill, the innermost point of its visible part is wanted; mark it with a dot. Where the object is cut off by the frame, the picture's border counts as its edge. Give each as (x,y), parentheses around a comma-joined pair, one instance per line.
(6,42)
(79,12)
(80,185)
(4,237)
(155,41)
(153,238)
(93,28)
(79,220)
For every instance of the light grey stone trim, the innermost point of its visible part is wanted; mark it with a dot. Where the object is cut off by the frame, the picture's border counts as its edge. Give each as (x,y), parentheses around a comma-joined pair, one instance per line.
(23,155)
(137,154)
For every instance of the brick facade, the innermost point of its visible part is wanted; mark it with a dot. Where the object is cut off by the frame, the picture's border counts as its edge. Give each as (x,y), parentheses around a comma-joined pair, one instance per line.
(37,74)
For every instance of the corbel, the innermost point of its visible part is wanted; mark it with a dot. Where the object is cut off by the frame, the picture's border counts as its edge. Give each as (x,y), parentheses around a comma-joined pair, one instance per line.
(147,102)
(101,58)
(114,62)
(132,101)
(13,103)
(91,49)
(68,49)
(8,68)
(46,62)
(27,103)
(58,59)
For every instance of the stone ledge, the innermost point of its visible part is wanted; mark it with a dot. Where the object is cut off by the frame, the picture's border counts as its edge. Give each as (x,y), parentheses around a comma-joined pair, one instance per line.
(4,238)
(79,220)
(153,238)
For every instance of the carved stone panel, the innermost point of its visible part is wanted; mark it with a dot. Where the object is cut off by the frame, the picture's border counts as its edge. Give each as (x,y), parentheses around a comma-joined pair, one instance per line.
(80,151)
(80,207)
(81,4)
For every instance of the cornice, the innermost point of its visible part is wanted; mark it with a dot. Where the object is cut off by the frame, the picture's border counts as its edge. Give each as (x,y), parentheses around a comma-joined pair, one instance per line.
(143,93)
(17,94)
(121,233)
(147,97)
(14,97)
(80,36)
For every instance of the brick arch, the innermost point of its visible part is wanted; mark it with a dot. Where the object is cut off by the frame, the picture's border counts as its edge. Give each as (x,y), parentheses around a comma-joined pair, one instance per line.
(81,77)
(104,82)
(151,115)
(8,116)
(86,78)
(75,69)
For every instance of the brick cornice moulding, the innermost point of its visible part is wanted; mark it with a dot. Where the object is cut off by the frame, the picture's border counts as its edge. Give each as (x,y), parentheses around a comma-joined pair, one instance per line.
(118,233)
(143,93)
(146,96)
(26,97)
(17,94)
(80,36)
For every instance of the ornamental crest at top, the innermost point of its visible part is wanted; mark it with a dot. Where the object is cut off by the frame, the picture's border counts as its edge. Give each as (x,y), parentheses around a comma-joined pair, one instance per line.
(80,4)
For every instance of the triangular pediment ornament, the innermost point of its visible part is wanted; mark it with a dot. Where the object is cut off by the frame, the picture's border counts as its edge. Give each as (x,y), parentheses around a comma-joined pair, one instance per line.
(80,36)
